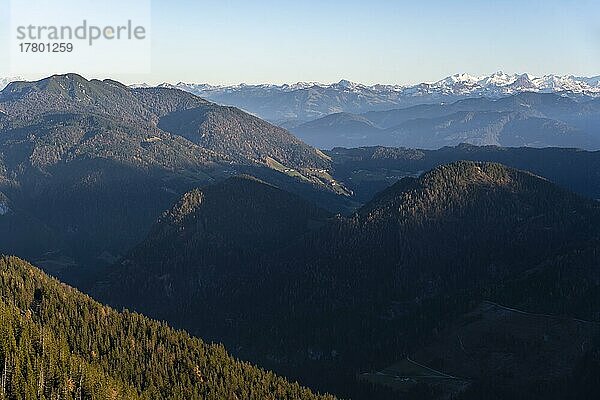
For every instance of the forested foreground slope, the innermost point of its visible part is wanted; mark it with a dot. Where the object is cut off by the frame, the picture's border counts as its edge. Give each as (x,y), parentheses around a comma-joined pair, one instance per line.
(57,343)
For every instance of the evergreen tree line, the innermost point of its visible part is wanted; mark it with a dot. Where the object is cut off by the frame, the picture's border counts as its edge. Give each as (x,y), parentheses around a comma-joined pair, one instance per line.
(57,343)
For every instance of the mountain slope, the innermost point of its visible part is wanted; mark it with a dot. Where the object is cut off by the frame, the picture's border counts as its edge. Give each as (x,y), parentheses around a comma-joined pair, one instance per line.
(96,162)
(525,119)
(59,342)
(241,136)
(212,234)
(508,129)
(541,105)
(422,252)
(369,170)
(328,132)
(71,93)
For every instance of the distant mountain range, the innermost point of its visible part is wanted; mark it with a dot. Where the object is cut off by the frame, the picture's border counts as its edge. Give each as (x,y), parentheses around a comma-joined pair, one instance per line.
(524,119)
(288,105)
(292,106)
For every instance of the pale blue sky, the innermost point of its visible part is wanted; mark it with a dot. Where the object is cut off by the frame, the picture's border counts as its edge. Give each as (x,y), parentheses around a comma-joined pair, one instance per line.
(374,41)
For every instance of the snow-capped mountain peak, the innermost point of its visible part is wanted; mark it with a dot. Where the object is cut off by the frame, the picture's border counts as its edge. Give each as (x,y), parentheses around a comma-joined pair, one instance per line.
(498,78)
(496,84)
(309,100)
(459,78)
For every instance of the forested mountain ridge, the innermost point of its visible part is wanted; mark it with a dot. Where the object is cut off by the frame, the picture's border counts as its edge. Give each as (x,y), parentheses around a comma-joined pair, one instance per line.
(250,202)
(214,237)
(420,254)
(185,115)
(431,194)
(465,203)
(58,343)
(91,164)
(369,170)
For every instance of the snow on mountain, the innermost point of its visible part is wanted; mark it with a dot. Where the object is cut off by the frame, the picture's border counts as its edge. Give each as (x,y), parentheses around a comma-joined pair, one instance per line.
(500,84)
(290,104)
(497,79)
(495,85)
(5,81)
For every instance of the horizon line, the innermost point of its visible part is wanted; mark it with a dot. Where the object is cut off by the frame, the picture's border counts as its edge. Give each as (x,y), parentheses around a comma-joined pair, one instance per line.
(154,83)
